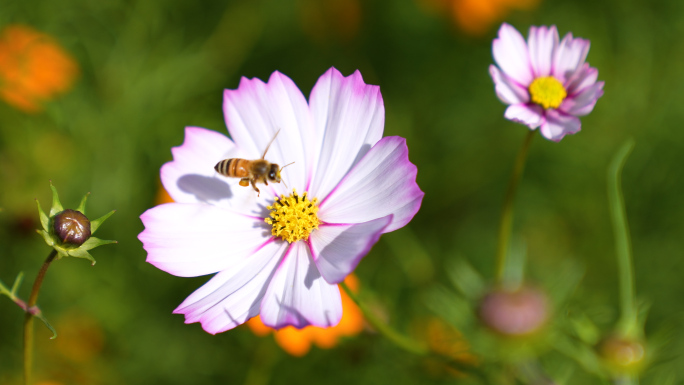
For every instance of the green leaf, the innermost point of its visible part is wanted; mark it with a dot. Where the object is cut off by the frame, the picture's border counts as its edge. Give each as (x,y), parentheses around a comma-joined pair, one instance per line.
(56,204)
(81,253)
(81,207)
(465,278)
(4,290)
(94,242)
(44,219)
(17,282)
(94,225)
(41,317)
(48,239)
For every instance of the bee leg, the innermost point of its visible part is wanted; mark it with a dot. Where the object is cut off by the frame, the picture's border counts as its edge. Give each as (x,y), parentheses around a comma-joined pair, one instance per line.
(244,182)
(254,186)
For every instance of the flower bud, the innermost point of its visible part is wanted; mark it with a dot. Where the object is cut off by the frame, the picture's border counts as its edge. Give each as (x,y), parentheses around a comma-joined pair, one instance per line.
(621,354)
(72,227)
(514,313)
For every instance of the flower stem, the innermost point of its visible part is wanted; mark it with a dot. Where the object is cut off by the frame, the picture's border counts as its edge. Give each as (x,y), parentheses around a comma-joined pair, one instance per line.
(507,211)
(623,247)
(384,329)
(28,318)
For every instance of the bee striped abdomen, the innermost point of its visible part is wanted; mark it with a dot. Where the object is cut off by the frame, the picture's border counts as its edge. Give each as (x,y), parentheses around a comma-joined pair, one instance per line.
(233,167)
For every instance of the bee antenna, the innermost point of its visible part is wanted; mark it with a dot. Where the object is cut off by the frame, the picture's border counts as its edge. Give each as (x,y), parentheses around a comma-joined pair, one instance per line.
(281,169)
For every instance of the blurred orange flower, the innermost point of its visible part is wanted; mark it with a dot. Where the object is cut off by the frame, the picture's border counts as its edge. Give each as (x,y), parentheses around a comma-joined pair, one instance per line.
(476,17)
(162,196)
(446,341)
(33,68)
(330,20)
(297,342)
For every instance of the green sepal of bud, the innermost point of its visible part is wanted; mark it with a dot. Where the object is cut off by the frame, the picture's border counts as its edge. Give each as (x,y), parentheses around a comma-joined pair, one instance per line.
(53,240)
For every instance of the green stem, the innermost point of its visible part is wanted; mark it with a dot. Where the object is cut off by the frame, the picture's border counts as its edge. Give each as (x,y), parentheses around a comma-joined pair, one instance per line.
(409,344)
(384,329)
(28,318)
(507,211)
(623,248)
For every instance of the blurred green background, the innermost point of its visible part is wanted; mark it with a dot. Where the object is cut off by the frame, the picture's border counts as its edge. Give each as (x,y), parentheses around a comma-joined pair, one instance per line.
(150,68)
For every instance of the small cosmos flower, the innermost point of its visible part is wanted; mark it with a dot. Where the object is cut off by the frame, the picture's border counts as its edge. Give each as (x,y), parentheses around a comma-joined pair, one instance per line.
(280,254)
(546,83)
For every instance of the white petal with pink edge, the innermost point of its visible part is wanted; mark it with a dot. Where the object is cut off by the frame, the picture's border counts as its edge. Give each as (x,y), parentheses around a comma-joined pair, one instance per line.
(507,90)
(382,183)
(234,295)
(569,57)
(190,240)
(349,118)
(557,125)
(511,55)
(298,295)
(256,111)
(584,102)
(584,77)
(338,248)
(529,115)
(542,43)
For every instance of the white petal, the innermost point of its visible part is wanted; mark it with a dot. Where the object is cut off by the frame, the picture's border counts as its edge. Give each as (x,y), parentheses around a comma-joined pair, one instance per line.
(189,240)
(569,57)
(511,55)
(298,295)
(382,183)
(507,90)
(529,115)
(584,102)
(542,43)
(338,249)
(349,118)
(584,77)
(234,295)
(557,125)
(256,111)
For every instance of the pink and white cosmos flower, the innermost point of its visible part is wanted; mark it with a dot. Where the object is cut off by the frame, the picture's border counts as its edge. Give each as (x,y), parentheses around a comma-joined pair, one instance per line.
(282,254)
(546,83)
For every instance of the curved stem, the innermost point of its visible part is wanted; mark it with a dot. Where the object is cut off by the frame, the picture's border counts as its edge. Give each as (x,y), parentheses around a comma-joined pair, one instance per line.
(507,211)
(28,318)
(409,344)
(384,329)
(623,247)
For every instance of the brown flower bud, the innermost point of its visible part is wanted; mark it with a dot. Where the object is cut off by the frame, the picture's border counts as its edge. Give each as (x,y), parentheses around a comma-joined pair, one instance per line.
(72,227)
(514,313)
(621,354)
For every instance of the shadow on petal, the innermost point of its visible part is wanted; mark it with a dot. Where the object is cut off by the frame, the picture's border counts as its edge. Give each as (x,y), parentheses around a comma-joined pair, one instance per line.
(204,188)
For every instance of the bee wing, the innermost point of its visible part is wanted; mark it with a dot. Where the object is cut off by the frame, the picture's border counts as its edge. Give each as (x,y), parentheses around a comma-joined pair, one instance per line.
(269,144)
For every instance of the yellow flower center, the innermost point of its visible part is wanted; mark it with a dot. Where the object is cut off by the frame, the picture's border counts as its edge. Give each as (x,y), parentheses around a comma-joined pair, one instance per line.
(293,217)
(547,91)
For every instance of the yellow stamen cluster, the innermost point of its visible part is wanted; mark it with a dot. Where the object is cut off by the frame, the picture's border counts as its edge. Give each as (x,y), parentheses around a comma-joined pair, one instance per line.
(547,91)
(293,217)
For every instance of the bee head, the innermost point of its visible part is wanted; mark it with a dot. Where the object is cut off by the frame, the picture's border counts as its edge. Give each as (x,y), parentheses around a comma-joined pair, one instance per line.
(274,173)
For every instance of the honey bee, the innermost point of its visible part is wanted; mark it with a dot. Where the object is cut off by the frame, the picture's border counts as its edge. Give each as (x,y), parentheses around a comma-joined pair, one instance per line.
(251,171)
